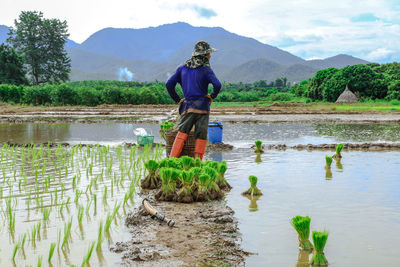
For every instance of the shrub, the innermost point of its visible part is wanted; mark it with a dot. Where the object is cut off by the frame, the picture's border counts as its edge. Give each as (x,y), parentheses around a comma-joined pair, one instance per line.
(88,96)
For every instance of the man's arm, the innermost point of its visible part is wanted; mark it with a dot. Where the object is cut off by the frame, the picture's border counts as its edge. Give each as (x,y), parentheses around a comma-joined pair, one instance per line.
(171,83)
(215,82)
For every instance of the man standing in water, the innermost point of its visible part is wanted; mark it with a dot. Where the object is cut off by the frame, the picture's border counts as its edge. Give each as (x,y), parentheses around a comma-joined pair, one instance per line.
(194,77)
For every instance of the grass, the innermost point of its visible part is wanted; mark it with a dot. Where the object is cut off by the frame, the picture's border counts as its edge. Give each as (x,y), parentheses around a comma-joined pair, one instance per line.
(86,259)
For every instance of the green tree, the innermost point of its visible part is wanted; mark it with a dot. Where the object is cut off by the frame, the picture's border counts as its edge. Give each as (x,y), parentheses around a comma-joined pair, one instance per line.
(11,66)
(359,78)
(41,42)
(316,85)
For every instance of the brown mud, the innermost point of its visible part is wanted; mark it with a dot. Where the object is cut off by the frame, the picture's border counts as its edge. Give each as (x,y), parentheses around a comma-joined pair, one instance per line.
(275,113)
(346,146)
(205,234)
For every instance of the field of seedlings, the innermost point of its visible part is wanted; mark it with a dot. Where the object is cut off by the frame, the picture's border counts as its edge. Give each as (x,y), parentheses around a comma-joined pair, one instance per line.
(60,205)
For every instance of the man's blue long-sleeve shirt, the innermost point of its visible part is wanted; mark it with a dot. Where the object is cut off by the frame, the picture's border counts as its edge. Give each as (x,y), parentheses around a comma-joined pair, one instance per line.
(194,83)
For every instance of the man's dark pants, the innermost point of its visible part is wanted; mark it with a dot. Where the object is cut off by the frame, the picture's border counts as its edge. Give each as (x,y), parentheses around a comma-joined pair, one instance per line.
(199,121)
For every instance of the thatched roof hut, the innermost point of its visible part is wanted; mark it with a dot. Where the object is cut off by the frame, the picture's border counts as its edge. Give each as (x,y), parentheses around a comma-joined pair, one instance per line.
(347,97)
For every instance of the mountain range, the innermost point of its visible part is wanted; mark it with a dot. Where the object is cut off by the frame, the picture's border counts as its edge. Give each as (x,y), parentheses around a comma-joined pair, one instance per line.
(154,53)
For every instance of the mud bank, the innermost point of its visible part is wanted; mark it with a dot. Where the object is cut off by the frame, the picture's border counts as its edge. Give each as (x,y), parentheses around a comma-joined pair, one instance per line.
(205,234)
(346,146)
(276,113)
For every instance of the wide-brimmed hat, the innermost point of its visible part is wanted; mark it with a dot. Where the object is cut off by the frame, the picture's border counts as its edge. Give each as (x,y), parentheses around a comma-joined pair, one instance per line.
(202,48)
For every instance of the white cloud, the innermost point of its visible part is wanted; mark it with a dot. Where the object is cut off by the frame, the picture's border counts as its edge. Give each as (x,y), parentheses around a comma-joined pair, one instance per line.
(307,28)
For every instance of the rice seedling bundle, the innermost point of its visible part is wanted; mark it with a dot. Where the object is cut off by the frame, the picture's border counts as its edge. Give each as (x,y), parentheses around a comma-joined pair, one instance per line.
(151,181)
(328,161)
(187,162)
(253,190)
(169,177)
(258,148)
(302,226)
(185,194)
(221,181)
(211,164)
(339,148)
(202,188)
(214,192)
(319,240)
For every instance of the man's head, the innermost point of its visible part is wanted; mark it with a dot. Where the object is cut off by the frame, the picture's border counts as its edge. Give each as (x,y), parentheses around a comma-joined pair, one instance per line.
(203,48)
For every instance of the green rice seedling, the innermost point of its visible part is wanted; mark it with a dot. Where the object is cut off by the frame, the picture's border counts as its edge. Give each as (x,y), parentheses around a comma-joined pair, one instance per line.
(302,226)
(185,194)
(99,236)
(39,264)
(258,147)
(105,194)
(328,171)
(108,222)
(80,214)
(86,259)
(187,162)
(319,240)
(46,214)
(328,161)
(152,181)
(253,190)
(67,233)
(23,239)
(339,148)
(221,181)
(15,250)
(51,251)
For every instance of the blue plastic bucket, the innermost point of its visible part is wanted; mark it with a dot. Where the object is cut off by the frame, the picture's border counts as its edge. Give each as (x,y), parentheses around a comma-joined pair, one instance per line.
(215,132)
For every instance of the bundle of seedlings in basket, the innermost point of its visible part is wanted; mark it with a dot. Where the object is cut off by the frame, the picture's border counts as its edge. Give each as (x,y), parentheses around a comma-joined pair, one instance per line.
(258,147)
(214,192)
(253,190)
(302,226)
(185,195)
(328,172)
(337,155)
(187,162)
(319,239)
(221,181)
(169,176)
(152,181)
(165,127)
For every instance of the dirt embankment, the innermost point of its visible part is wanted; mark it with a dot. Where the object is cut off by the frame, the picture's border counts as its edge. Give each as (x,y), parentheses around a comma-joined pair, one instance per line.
(205,234)
(275,113)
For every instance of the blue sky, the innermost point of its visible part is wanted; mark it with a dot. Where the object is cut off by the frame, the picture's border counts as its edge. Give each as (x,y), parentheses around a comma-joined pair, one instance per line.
(368,29)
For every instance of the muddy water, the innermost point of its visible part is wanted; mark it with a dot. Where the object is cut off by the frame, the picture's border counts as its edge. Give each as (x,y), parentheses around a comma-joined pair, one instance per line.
(239,135)
(359,205)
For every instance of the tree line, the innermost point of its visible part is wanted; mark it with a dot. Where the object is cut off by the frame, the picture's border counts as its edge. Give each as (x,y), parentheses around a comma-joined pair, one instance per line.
(368,81)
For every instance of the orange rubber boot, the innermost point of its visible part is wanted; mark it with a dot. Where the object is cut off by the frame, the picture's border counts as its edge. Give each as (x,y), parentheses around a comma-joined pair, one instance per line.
(178,145)
(200,148)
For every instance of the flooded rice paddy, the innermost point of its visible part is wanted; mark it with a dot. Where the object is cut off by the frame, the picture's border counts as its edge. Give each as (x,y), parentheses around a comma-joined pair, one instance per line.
(359,205)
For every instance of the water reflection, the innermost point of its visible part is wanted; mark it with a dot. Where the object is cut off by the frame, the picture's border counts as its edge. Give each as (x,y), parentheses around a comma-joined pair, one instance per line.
(328,173)
(253,202)
(303,258)
(258,158)
(339,163)
(216,157)
(360,132)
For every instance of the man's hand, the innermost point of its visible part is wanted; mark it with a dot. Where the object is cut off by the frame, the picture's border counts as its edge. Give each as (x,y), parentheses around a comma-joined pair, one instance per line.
(210,98)
(180,102)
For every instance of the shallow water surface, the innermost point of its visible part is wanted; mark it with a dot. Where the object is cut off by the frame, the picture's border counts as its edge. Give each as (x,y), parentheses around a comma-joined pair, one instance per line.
(239,135)
(359,205)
